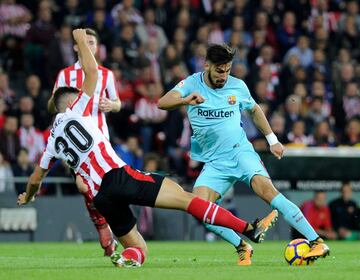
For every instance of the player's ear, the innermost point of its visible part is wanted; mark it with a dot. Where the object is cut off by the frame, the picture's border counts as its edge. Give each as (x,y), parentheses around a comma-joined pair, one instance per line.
(76,48)
(207,66)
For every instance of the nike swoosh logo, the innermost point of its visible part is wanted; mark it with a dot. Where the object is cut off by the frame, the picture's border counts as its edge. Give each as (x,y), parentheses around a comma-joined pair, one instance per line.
(296,214)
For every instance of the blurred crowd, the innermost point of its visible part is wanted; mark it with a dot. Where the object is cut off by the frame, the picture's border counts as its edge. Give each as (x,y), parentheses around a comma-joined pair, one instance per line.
(300,60)
(339,219)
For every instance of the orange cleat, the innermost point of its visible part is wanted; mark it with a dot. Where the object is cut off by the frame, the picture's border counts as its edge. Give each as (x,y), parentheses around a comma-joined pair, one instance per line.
(318,249)
(245,252)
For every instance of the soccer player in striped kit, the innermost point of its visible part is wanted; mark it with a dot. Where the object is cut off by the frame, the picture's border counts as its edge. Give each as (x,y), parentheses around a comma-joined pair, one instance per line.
(112,184)
(105,99)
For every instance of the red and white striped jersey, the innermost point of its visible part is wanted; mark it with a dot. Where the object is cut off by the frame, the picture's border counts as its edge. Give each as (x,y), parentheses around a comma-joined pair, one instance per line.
(73,76)
(75,139)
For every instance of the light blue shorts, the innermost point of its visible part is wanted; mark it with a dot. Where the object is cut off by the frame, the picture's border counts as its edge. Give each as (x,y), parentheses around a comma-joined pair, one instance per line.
(220,175)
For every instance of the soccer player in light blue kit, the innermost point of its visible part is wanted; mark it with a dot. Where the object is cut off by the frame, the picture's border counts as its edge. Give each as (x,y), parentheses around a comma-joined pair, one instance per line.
(214,101)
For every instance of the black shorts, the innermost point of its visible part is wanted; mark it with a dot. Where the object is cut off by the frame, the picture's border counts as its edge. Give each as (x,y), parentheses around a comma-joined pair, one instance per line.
(121,187)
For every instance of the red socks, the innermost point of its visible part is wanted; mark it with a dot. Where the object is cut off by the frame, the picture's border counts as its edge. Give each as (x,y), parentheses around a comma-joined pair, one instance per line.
(211,213)
(95,216)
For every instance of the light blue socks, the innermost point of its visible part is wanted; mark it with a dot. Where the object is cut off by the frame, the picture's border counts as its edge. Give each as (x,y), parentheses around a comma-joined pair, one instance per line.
(225,233)
(293,215)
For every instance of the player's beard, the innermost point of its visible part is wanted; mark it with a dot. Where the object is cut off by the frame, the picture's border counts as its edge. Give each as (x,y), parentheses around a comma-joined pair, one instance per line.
(213,84)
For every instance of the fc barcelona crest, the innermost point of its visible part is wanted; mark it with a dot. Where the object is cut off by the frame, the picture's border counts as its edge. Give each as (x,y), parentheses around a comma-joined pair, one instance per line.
(232,99)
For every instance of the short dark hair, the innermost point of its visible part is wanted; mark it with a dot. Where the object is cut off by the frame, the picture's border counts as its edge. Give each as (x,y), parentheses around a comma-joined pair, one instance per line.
(220,54)
(62,92)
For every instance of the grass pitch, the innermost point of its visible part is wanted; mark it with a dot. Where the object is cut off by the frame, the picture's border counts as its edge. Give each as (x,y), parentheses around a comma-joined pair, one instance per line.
(172,261)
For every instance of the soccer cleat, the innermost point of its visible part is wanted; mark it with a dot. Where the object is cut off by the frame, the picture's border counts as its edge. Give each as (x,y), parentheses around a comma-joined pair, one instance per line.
(318,249)
(245,252)
(260,227)
(109,250)
(120,261)
(106,239)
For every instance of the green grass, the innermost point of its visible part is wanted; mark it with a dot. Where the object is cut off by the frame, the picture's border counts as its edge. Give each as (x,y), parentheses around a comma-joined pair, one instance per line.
(171,261)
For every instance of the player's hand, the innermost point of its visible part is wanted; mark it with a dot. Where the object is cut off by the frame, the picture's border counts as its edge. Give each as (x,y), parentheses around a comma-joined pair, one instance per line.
(193,99)
(277,150)
(79,35)
(105,105)
(22,199)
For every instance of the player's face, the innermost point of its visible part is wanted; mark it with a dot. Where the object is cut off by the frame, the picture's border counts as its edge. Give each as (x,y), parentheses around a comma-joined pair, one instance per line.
(218,74)
(92,43)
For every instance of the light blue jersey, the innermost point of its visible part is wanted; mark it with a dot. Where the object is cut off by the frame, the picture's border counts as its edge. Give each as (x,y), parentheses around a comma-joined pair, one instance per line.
(218,138)
(216,123)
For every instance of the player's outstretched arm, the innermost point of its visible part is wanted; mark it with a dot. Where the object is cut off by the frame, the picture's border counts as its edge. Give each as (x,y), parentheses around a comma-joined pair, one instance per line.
(88,62)
(32,186)
(263,125)
(172,100)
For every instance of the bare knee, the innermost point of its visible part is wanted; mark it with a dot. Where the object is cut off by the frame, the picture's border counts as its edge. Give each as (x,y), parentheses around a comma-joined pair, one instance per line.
(264,188)
(206,193)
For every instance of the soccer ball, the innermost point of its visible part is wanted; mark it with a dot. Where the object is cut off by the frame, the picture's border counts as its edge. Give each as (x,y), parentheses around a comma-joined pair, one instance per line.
(295,251)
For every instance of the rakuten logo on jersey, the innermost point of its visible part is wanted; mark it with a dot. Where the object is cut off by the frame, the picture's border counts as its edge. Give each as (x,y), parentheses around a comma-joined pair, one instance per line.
(215,114)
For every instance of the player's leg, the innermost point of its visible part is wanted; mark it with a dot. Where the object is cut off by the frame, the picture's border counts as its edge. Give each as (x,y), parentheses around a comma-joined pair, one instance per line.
(210,176)
(172,196)
(135,250)
(257,177)
(106,239)
(264,188)
(218,177)
(123,224)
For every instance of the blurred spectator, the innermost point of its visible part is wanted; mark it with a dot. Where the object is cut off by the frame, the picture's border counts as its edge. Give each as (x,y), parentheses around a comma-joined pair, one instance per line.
(9,139)
(129,43)
(297,137)
(277,123)
(287,33)
(40,98)
(126,7)
(319,70)
(6,176)
(6,93)
(177,130)
(261,23)
(345,214)
(161,11)
(14,19)
(71,14)
(352,133)
(30,138)
(149,30)
(302,51)
(152,53)
(352,10)
(100,23)
(41,32)
(60,52)
(323,136)
(351,100)
(292,111)
(150,117)
(321,17)
(22,168)
(238,27)
(317,113)
(287,76)
(91,14)
(197,61)
(317,213)
(130,152)
(349,36)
